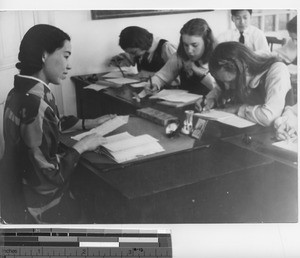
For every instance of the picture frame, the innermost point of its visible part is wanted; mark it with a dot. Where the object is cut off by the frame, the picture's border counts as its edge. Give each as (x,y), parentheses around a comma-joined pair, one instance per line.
(112,14)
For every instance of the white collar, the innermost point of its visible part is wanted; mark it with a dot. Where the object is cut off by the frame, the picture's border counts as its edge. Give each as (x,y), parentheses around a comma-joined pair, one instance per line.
(34,78)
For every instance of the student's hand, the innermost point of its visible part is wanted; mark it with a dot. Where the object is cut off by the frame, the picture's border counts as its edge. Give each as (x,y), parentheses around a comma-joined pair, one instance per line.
(284,128)
(123,59)
(191,68)
(89,143)
(151,89)
(203,105)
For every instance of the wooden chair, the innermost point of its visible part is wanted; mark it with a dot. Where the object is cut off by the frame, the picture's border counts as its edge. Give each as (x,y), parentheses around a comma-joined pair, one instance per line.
(273,40)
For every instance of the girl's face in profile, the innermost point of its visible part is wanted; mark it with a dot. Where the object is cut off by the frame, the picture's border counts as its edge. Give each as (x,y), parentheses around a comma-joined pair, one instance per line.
(228,78)
(56,65)
(193,46)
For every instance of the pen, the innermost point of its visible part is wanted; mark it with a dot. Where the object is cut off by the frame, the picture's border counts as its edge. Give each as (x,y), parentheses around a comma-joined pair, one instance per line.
(120,70)
(151,85)
(203,104)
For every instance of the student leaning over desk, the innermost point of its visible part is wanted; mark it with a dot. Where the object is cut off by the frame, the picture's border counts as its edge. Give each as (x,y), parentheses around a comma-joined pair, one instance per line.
(190,62)
(143,49)
(288,52)
(254,87)
(35,171)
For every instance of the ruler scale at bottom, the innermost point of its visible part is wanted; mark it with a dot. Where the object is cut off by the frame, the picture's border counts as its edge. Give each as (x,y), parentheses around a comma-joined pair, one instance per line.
(70,243)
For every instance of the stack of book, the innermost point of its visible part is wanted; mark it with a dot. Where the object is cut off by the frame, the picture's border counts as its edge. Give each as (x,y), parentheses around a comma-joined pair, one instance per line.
(156,116)
(125,147)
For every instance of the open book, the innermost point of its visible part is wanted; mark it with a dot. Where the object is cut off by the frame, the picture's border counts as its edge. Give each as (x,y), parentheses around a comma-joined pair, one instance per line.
(125,147)
(225,118)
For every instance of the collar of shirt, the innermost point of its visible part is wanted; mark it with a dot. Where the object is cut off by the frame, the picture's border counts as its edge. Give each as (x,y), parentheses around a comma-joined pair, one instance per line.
(153,47)
(246,32)
(34,78)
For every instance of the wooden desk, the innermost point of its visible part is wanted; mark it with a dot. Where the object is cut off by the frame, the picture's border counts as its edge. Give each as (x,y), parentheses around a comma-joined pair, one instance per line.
(223,183)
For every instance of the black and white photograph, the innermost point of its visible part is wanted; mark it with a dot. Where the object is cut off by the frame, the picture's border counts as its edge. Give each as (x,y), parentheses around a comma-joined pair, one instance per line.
(152,116)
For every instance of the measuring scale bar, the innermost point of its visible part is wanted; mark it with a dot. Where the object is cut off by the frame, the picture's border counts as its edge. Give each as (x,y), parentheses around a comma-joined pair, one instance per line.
(62,242)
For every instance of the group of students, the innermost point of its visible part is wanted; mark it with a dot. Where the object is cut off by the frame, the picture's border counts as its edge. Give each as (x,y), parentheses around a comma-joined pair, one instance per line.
(35,171)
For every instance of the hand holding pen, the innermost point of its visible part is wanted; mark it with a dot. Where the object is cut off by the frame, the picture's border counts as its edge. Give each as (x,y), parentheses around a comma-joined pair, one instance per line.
(204,104)
(151,88)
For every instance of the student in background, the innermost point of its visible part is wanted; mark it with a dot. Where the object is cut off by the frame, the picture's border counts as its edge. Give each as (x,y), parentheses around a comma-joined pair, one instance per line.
(252,86)
(190,62)
(35,171)
(288,52)
(286,126)
(245,33)
(143,49)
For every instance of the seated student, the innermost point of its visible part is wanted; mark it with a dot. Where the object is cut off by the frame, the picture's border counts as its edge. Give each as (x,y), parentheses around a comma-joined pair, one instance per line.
(256,87)
(245,33)
(190,62)
(286,126)
(34,168)
(143,49)
(288,52)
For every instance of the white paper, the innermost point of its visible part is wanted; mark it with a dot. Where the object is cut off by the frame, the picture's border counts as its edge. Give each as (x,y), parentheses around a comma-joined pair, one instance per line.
(104,128)
(225,118)
(96,87)
(176,96)
(236,121)
(124,147)
(290,145)
(122,80)
(214,115)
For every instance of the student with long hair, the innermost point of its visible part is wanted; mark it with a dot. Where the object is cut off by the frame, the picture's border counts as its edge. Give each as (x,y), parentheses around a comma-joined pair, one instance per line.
(35,170)
(190,62)
(252,86)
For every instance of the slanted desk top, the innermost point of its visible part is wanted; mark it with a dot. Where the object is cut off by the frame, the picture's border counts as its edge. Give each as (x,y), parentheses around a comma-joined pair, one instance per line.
(226,182)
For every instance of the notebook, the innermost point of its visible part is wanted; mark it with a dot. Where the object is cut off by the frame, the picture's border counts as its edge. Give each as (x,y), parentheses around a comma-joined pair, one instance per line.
(125,147)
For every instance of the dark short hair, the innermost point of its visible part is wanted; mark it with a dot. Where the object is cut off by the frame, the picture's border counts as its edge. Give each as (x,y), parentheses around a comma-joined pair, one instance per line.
(197,27)
(235,11)
(291,26)
(135,37)
(37,40)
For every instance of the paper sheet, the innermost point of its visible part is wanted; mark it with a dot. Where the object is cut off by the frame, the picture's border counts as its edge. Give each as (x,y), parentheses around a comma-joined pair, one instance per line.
(104,128)
(96,87)
(124,147)
(176,96)
(214,115)
(122,80)
(290,145)
(225,118)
